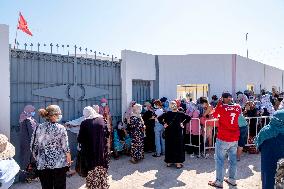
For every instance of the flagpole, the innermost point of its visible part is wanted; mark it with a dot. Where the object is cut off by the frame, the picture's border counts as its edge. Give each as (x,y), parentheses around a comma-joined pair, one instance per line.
(16,32)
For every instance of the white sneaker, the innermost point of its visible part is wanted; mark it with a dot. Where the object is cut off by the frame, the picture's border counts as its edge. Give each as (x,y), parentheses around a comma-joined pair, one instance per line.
(191,156)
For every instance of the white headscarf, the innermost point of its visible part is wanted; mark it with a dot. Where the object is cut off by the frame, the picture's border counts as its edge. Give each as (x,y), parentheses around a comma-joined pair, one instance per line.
(90,113)
(96,108)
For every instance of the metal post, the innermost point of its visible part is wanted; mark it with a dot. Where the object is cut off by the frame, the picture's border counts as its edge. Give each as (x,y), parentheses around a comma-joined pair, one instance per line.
(75,83)
(57,47)
(51,45)
(247,43)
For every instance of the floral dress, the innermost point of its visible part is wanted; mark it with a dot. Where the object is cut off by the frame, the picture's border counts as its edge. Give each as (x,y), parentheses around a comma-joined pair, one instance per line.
(137,135)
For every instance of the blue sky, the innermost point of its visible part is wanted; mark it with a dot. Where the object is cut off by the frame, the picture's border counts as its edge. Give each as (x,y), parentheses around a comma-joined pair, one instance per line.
(155,26)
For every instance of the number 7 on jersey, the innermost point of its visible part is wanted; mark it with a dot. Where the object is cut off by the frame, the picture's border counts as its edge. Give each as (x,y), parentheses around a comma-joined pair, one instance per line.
(233,115)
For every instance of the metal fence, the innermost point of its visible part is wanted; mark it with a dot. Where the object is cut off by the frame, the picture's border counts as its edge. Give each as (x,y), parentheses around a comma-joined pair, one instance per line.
(72,82)
(254,126)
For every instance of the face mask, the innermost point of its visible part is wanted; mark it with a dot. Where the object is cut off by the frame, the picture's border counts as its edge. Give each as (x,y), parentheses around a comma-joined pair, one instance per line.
(156,107)
(32,114)
(166,105)
(59,118)
(103,104)
(145,108)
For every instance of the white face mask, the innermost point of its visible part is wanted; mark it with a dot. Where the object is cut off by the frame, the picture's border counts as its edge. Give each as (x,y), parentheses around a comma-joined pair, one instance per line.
(103,104)
(145,108)
(59,118)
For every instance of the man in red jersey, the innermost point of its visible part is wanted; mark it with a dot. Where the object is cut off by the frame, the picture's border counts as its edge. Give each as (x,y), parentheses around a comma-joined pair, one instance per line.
(227,140)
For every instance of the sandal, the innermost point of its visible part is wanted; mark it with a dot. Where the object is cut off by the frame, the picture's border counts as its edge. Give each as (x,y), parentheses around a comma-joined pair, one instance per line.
(133,161)
(214,184)
(169,164)
(230,183)
(179,167)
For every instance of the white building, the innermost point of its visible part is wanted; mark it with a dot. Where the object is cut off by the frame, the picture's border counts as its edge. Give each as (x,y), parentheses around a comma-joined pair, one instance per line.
(175,76)
(146,76)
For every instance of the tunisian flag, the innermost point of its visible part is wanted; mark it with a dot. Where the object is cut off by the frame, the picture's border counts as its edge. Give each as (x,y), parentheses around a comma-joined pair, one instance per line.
(23,25)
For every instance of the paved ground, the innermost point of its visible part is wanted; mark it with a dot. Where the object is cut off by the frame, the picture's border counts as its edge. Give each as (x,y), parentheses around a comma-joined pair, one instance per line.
(152,173)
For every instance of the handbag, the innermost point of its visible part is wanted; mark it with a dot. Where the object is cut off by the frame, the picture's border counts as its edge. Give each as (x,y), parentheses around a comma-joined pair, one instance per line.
(81,163)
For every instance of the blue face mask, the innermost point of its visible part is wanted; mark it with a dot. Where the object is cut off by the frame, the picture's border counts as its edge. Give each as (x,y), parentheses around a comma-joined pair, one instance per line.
(103,104)
(32,114)
(166,104)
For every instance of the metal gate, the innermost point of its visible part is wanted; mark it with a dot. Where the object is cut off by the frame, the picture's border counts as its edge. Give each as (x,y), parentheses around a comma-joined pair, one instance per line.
(141,91)
(41,79)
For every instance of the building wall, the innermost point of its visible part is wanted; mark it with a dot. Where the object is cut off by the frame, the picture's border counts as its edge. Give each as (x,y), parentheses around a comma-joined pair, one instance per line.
(5,80)
(135,65)
(215,70)
(258,74)
(273,77)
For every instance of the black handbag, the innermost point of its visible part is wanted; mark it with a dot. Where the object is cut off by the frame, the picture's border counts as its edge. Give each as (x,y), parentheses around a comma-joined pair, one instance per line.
(81,164)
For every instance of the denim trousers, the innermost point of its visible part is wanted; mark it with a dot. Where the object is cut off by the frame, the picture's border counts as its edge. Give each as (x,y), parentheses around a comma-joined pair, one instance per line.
(159,141)
(223,148)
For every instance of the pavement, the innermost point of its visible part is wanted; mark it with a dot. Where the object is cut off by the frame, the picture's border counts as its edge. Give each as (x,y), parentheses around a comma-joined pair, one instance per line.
(153,173)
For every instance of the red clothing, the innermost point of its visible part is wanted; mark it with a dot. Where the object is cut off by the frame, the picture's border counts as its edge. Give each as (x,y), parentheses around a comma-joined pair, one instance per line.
(228,115)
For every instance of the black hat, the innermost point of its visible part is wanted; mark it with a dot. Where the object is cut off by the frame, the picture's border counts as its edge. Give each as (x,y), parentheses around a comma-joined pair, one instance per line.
(163,99)
(226,95)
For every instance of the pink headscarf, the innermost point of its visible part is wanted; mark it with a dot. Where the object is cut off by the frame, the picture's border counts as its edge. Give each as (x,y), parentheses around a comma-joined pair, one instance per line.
(103,100)
(26,114)
(129,111)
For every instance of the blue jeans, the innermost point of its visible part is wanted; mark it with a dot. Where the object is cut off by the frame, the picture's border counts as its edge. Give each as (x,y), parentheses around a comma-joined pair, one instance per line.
(159,141)
(221,149)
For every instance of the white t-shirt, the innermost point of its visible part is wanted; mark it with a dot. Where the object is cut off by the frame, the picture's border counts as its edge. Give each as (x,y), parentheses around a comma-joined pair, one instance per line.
(159,112)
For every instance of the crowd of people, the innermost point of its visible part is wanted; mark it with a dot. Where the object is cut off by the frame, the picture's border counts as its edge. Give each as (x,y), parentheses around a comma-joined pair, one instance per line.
(53,150)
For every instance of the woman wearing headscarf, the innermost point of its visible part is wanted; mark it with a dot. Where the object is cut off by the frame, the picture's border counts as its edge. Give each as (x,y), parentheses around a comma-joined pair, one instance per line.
(51,150)
(149,120)
(27,127)
(8,166)
(174,122)
(137,130)
(128,114)
(270,142)
(93,138)
(121,140)
(105,112)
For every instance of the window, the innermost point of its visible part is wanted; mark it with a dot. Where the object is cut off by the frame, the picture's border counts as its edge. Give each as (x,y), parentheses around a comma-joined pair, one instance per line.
(193,91)
(250,87)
